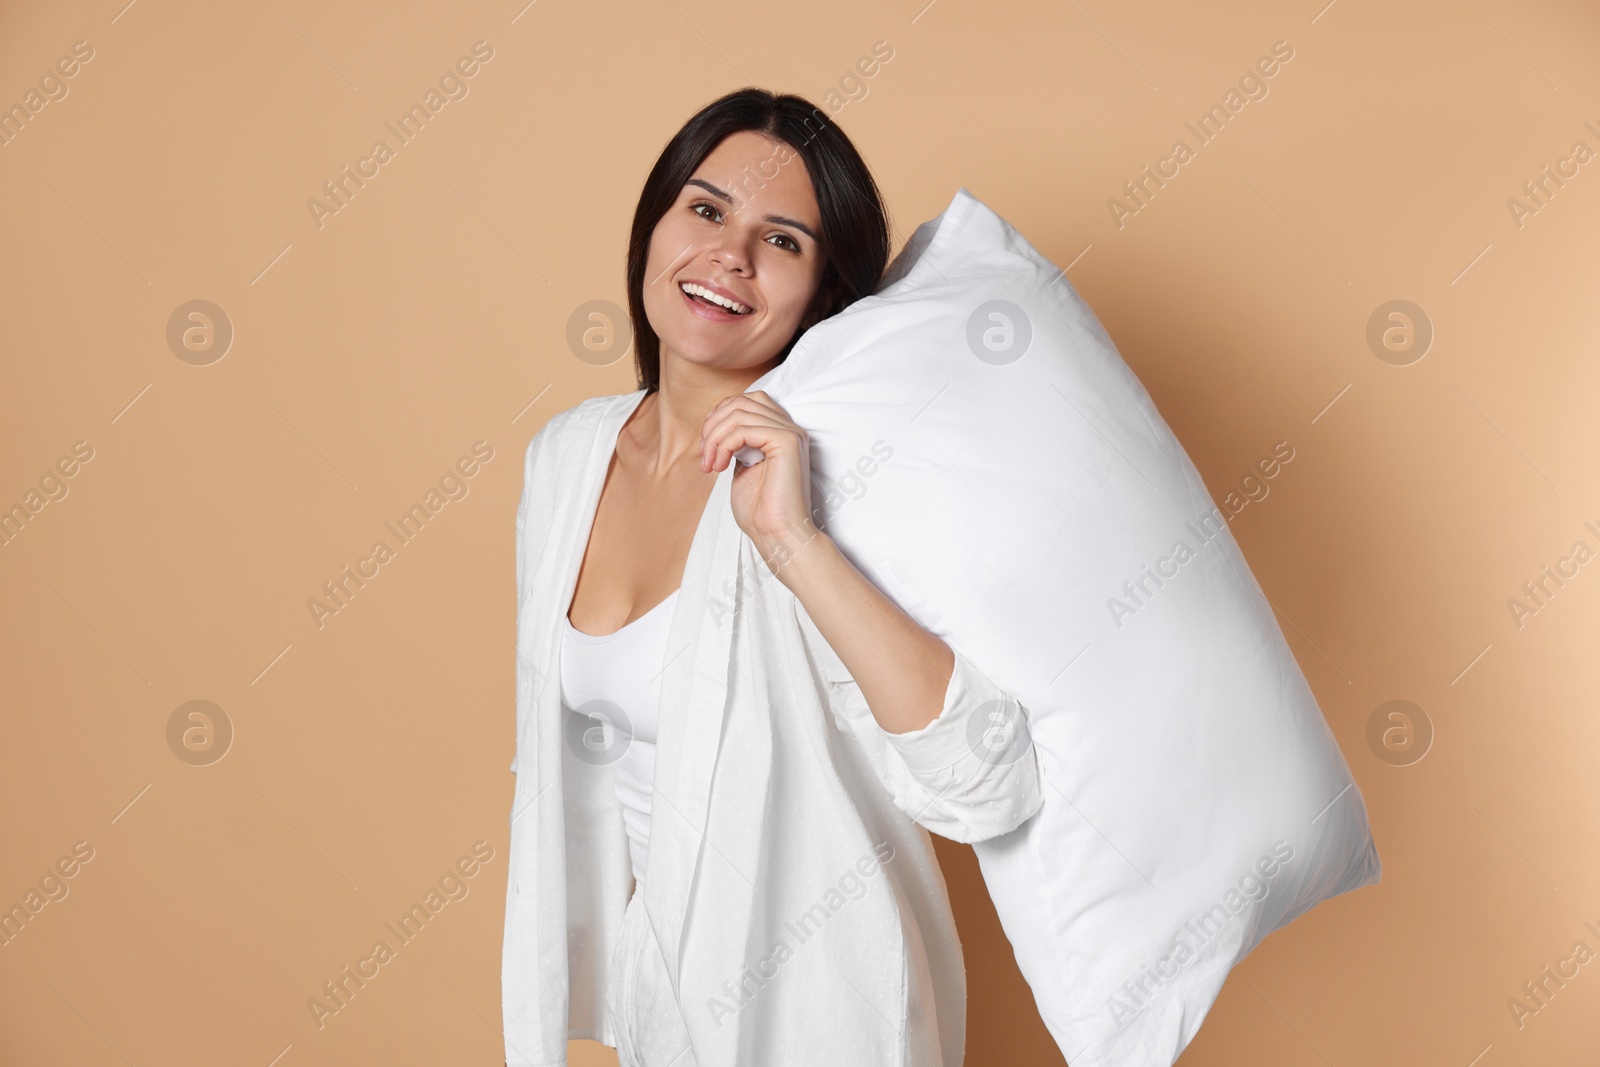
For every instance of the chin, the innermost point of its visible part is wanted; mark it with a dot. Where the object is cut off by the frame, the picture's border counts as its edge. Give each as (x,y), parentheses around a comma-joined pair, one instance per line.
(694,349)
(719,359)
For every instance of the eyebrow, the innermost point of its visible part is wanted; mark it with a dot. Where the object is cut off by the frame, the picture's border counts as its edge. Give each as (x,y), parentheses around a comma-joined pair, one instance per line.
(781,219)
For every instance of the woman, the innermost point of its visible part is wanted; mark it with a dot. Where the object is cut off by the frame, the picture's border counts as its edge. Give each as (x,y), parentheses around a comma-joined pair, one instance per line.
(727,736)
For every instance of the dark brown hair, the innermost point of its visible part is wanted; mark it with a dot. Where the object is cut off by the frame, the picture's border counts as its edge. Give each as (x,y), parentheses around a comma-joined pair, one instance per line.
(855,227)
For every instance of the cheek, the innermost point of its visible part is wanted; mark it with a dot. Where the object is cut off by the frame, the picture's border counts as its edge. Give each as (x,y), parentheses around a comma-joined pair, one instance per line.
(791,288)
(673,243)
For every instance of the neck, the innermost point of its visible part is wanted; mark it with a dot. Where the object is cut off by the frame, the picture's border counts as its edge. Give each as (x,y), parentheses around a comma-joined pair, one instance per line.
(687,394)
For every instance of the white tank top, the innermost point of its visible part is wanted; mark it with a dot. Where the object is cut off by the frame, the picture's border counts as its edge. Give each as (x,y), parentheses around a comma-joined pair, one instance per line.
(617,677)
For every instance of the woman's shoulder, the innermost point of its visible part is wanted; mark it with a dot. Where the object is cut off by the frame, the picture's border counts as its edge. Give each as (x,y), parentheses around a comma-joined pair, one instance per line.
(571,427)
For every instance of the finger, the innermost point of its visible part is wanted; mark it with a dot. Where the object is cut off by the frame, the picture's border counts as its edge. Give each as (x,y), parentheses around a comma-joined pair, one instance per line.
(732,402)
(745,404)
(717,420)
(761,397)
(753,431)
(756,401)
(708,426)
(709,421)
(757,405)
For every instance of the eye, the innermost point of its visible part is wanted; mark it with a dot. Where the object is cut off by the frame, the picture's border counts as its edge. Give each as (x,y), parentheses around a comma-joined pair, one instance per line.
(715,215)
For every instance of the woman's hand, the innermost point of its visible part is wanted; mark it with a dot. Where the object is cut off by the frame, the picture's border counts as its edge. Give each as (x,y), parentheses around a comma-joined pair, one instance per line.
(903,670)
(771,500)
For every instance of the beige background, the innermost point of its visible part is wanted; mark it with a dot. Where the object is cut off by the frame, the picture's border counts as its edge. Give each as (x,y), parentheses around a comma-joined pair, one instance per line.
(430,313)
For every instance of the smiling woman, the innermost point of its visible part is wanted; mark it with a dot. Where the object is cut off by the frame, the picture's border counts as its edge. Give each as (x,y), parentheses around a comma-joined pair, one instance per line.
(692,777)
(723,170)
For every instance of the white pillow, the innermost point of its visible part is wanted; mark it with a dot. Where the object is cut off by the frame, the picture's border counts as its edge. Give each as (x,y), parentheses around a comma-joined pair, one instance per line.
(984,455)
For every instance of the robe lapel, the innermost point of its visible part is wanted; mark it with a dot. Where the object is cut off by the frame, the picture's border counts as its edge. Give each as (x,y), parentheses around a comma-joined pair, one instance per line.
(546,873)
(577,491)
(694,691)
(694,684)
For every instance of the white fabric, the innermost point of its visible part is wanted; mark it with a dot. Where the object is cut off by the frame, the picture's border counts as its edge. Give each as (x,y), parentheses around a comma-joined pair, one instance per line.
(614,681)
(783,855)
(998,470)
(644,1014)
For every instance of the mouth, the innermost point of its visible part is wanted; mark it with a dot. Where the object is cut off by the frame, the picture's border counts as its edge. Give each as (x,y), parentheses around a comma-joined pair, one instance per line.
(712,305)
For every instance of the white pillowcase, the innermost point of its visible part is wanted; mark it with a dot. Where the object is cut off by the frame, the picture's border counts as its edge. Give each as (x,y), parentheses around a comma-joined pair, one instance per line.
(984,455)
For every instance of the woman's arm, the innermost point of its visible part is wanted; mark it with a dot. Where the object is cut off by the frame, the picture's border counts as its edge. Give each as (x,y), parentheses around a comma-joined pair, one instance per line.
(970,775)
(951,747)
(904,671)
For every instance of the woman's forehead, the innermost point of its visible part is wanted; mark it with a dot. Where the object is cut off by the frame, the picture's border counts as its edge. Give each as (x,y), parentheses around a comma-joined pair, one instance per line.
(748,166)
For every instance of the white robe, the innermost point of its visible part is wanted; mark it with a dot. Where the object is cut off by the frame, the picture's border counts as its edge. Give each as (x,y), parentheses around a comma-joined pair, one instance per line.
(798,907)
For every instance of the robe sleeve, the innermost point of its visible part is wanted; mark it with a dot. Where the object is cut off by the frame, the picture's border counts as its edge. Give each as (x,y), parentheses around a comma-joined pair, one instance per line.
(969,775)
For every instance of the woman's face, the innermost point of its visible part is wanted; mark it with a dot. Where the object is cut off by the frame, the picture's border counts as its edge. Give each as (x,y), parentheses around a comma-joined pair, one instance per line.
(746,226)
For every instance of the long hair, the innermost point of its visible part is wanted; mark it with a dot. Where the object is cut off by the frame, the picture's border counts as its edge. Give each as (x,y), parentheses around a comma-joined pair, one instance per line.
(855,227)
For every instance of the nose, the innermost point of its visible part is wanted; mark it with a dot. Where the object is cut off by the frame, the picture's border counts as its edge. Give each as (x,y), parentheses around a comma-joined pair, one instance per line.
(729,253)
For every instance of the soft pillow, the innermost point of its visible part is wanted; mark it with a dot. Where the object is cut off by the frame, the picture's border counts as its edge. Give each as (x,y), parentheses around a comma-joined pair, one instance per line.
(984,455)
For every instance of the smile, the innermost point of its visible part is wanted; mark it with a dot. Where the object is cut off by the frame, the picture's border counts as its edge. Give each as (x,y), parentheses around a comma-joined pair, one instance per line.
(712,305)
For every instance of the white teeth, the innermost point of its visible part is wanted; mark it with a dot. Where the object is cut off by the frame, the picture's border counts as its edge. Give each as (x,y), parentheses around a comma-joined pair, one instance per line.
(700,290)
